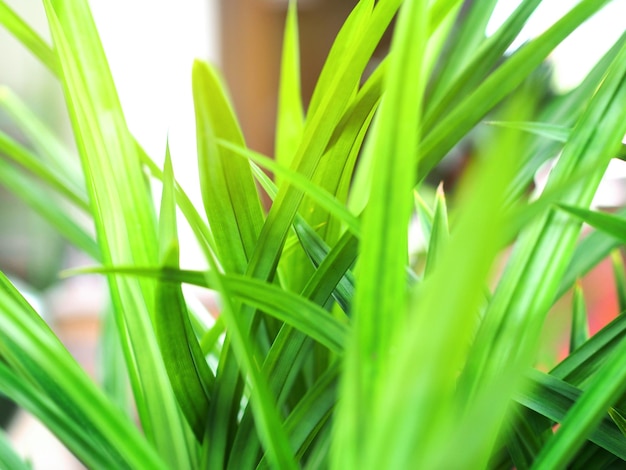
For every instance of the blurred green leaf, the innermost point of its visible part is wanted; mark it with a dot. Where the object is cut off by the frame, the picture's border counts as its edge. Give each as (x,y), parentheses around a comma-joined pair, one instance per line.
(383,252)
(551,131)
(619,420)
(47,146)
(620,279)
(42,171)
(473,54)
(47,206)
(580,324)
(40,375)
(530,282)
(445,132)
(440,232)
(28,37)
(8,457)
(446,308)
(606,385)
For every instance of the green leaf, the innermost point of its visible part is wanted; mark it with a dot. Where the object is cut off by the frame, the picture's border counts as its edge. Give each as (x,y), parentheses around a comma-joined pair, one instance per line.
(436,333)
(338,81)
(608,384)
(321,197)
(619,420)
(307,419)
(440,232)
(47,146)
(40,375)
(589,252)
(383,260)
(331,263)
(528,431)
(8,457)
(620,279)
(468,36)
(563,110)
(292,309)
(230,198)
(530,282)
(42,171)
(123,214)
(290,120)
(613,225)
(111,363)
(580,365)
(551,131)
(335,170)
(48,207)
(554,398)
(288,307)
(344,44)
(235,216)
(473,55)
(267,417)
(554,132)
(189,374)
(444,133)
(580,326)
(27,36)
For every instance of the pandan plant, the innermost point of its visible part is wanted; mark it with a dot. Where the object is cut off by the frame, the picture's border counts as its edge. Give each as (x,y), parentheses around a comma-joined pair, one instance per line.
(332,349)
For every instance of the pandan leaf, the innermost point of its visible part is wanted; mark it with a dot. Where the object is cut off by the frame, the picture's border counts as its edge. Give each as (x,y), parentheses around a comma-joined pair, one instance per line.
(189,374)
(440,231)
(613,225)
(580,325)
(124,217)
(8,456)
(554,398)
(28,36)
(290,120)
(620,279)
(618,419)
(551,131)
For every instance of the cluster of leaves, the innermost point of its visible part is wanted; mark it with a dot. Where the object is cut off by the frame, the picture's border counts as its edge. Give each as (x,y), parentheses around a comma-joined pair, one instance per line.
(330,349)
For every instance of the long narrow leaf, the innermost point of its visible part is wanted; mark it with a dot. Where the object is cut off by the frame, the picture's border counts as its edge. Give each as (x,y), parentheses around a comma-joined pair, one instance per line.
(57,389)
(27,36)
(384,242)
(123,214)
(502,82)
(290,120)
(186,366)
(580,327)
(562,397)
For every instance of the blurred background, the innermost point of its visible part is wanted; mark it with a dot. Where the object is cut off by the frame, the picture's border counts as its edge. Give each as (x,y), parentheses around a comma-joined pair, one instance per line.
(151,45)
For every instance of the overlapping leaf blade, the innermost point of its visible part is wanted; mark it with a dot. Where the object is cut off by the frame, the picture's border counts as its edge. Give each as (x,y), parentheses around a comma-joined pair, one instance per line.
(447,131)
(123,214)
(186,366)
(45,379)
(384,241)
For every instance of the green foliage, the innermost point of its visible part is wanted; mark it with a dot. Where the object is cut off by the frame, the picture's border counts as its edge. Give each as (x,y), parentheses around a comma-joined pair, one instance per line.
(335,346)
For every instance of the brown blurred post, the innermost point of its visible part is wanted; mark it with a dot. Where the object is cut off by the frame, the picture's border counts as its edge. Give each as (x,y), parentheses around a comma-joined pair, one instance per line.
(252,33)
